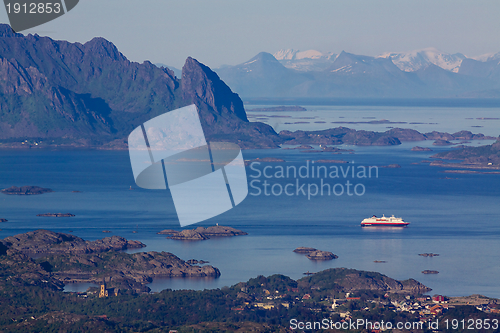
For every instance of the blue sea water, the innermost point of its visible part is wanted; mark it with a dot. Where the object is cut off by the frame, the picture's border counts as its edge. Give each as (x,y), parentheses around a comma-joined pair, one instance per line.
(483,119)
(455,215)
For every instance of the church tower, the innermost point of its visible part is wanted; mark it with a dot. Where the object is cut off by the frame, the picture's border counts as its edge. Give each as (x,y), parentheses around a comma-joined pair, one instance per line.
(104,291)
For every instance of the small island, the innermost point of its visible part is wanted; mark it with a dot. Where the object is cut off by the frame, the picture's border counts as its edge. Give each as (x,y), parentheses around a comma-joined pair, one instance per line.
(483,157)
(265,159)
(321,255)
(301,147)
(26,190)
(202,233)
(394,136)
(167,232)
(417,148)
(442,143)
(430,272)
(335,149)
(315,254)
(304,250)
(56,215)
(391,166)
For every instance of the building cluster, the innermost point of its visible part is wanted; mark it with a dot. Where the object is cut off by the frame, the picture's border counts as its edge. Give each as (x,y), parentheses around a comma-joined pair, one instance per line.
(426,308)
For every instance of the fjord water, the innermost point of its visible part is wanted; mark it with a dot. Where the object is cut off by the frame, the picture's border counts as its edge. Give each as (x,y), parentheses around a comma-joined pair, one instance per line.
(455,215)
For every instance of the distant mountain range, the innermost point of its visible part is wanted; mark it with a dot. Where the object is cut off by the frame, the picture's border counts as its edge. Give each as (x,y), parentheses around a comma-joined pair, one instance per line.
(426,73)
(310,60)
(56,92)
(415,60)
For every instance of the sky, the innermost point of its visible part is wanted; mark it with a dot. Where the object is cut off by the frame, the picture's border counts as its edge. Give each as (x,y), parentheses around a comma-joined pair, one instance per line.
(229,32)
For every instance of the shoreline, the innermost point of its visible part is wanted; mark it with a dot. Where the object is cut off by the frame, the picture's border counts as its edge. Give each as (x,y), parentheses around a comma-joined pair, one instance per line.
(78,278)
(335,136)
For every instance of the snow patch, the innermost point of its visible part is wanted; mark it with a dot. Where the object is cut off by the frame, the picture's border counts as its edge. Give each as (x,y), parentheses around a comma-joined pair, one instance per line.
(287,54)
(417,59)
(487,57)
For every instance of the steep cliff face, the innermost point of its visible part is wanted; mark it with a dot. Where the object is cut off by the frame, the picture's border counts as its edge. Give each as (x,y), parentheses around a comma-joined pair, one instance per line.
(202,86)
(221,111)
(91,93)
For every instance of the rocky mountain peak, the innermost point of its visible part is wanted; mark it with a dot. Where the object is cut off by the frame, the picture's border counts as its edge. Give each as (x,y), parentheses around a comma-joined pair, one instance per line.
(6,31)
(203,87)
(90,94)
(264,56)
(99,46)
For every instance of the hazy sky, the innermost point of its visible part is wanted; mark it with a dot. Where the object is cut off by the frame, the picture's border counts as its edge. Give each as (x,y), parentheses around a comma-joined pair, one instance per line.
(220,32)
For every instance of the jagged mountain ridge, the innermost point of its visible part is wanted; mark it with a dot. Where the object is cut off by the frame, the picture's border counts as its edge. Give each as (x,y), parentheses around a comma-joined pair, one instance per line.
(262,73)
(415,60)
(92,94)
(305,61)
(356,76)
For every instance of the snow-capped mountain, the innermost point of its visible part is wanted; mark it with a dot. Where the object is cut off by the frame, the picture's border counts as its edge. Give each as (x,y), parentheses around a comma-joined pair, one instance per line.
(487,57)
(415,60)
(305,61)
(287,54)
(419,74)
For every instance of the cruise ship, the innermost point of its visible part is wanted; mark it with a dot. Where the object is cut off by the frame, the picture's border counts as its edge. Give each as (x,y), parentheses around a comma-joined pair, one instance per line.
(384,222)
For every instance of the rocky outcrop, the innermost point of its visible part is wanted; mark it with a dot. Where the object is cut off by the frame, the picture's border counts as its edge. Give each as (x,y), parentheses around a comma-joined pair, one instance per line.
(202,233)
(301,147)
(335,149)
(344,135)
(413,287)
(220,231)
(167,232)
(442,143)
(487,156)
(339,135)
(417,148)
(461,135)
(196,262)
(391,166)
(347,280)
(26,190)
(304,250)
(56,215)
(140,267)
(49,242)
(429,272)
(65,259)
(315,254)
(265,159)
(188,235)
(321,255)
